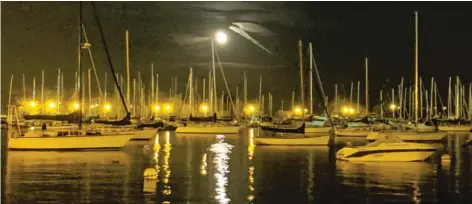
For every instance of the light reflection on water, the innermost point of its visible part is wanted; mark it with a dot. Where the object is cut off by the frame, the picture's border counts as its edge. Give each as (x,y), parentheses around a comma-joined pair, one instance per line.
(201,169)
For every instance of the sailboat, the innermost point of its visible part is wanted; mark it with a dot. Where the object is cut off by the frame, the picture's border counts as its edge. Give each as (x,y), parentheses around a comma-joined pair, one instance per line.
(204,125)
(294,136)
(78,139)
(420,133)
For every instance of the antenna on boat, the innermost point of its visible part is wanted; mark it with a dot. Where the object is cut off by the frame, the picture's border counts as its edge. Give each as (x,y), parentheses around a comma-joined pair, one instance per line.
(109,60)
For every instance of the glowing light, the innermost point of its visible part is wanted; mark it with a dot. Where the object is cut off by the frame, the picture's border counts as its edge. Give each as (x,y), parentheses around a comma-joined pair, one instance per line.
(346,110)
(52,105)
(107,107)
(249,109)
(33,104)
(392,107)
(351,110)
(76,106)
(157,108)
(221,37)
(168,108)
(204,108)
(297,110)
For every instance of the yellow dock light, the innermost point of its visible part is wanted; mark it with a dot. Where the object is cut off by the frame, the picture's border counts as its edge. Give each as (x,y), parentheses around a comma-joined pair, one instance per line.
(392,107)
(157,108)
(51,105)
(204,108)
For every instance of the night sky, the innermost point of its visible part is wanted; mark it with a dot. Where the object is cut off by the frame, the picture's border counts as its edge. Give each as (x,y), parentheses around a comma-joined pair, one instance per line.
(172,35)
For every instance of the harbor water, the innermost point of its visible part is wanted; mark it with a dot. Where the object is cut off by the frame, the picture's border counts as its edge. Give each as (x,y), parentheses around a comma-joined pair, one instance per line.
(226,169)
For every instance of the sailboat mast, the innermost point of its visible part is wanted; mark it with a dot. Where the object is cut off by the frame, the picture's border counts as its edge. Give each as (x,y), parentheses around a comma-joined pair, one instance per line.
(42,91)
(215,109)
(58,89)
(302,99)
(190,81)
(245,89)
(367,86)
(11,86)
(311,78)
(152,84)
(358,96)
(336,98)
(79,62)
(24,88)
(34,88)
(416,69)
(127,68)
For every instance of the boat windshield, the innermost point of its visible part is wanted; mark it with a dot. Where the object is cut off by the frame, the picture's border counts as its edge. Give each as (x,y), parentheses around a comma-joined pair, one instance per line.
(386,139)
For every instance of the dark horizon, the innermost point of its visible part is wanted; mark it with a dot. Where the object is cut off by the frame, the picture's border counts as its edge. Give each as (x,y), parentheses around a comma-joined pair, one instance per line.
(43,35)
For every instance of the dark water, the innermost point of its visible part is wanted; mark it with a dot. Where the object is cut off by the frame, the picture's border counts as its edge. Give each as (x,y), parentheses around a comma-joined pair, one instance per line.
(204,169)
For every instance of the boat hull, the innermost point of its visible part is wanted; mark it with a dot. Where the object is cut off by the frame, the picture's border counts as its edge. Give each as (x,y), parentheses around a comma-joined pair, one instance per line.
(352,133)
(317,129)
(306,141)
(409,136)
(145,134)
(455,128)
(403,156)
(69,143)
(208,130)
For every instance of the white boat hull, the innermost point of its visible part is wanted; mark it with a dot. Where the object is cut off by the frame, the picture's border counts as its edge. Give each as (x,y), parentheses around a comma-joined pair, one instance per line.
(409,156)
(209,130)
(145,134)
(455,128)
(305,141)
(409,136)
(387,151)
(352,133)
(317,129)
(107,142)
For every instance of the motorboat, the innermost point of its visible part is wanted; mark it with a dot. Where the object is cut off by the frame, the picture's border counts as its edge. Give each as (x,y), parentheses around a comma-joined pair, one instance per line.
(388,149)
(409,136)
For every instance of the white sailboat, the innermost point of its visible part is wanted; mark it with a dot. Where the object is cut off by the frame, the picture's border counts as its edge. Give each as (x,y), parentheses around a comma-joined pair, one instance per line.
(77,139)
(296,136)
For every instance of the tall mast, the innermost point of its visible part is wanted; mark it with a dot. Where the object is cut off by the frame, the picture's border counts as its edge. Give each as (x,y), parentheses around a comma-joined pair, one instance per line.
(34,88)
(190,81)
(358,96)
(79,71)
(381,105)
(416,69)
(431,115)
(42,91)
(127,69)
(215,109)
(311,78)
(302,99)
(245,89)
(260,94)
(11,86)
(58,89)
(152,84)
(24,88)
(367,86)
(89,92)
(336,98)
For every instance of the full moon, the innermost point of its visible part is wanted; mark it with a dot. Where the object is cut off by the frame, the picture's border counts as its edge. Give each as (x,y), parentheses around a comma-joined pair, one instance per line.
(221,37)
